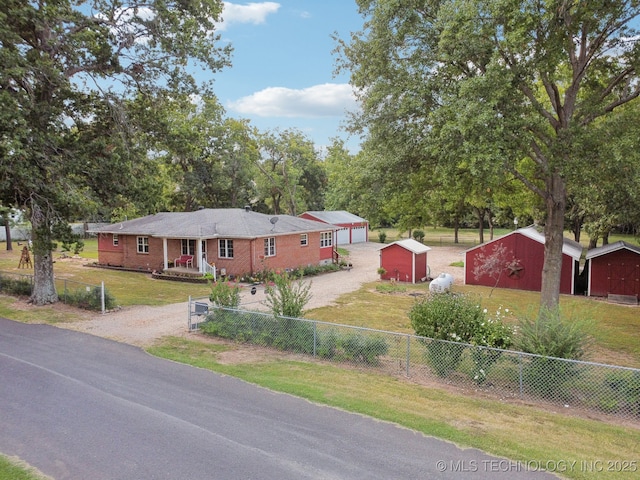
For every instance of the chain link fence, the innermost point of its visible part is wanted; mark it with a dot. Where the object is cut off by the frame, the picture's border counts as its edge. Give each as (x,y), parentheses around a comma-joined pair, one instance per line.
(80,294)
(581,386)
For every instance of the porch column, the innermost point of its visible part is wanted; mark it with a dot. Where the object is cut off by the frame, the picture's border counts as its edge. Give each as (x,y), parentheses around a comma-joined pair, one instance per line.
(165,253)
(200,258)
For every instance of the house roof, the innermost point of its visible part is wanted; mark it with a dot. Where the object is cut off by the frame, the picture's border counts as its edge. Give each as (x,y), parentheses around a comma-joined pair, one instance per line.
(569,247)
(214,223)
(612,247)
(411,245)
(336,217)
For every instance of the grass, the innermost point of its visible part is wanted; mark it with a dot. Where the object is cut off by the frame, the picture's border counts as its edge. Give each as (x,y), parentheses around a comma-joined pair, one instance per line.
(440,236)
(14,469)
(519,432)
(516,431)
(128,288)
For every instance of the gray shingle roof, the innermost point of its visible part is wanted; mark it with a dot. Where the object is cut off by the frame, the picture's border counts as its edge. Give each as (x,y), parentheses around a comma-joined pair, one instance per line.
(214,223)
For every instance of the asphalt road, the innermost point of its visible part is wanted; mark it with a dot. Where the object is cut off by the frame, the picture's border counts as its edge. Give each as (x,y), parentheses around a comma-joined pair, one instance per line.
(81,407)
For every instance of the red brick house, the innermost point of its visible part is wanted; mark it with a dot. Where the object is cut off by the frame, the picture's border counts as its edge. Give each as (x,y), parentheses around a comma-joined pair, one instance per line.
(523,252)
(351,228)
(235,241)
(614,270)
(404,261)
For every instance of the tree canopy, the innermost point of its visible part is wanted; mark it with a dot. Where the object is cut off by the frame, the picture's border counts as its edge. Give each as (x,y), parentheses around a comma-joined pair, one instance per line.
(66,69)
(496,86)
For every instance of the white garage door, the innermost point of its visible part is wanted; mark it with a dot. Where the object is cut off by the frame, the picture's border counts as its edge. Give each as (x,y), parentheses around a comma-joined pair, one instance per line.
(342,236)
(358,234)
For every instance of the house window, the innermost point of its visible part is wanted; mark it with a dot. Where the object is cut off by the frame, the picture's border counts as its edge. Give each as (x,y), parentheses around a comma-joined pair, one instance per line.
(326,239)
(270,247)
(116,242)
(188,247)
(143,244)
(304,240)
(225,248)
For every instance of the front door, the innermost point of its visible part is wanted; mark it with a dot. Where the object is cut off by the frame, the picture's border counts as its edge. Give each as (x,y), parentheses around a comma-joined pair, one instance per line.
(203,244)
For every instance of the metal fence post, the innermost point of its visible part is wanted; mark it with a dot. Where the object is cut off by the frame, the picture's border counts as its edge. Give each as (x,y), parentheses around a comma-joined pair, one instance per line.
(315,337)
(102,295)
(520,381)
(408,352)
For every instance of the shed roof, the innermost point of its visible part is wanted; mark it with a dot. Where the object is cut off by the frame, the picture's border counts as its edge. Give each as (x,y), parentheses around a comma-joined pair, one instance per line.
(214,223)
(336,216)
(569,247)
(612,247)
(410,244)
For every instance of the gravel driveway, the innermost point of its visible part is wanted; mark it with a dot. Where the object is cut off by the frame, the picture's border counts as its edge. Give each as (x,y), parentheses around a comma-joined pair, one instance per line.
(142,325)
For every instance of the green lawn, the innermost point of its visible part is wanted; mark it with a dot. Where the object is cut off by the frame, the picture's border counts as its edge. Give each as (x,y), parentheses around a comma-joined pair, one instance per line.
(515,430)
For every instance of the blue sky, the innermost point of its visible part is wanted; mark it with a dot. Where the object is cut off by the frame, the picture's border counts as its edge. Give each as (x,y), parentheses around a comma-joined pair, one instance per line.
(282,73)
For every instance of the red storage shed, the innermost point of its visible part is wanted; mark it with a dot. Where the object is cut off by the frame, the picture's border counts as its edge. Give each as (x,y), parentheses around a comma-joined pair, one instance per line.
(523,252)
(614,270)
(404,261)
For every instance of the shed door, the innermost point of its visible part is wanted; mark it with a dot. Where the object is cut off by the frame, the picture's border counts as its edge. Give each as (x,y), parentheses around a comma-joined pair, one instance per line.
(624,278)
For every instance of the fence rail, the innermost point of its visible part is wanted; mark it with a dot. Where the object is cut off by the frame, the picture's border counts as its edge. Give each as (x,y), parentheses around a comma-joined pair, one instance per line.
(576,385)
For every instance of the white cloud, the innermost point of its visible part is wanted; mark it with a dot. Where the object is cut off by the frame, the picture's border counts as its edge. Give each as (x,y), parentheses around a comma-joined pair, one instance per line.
(326,100)
(255,13)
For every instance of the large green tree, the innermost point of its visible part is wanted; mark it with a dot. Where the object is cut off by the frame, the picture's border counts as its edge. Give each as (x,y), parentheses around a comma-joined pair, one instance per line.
(59,60)
(509,86)
(291,176)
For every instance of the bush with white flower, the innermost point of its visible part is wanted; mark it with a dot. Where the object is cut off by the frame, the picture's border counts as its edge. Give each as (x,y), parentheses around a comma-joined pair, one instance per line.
(454,319)
(491,334)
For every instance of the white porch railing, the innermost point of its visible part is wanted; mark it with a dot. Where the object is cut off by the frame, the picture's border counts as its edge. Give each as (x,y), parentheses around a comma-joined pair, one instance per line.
(208,268)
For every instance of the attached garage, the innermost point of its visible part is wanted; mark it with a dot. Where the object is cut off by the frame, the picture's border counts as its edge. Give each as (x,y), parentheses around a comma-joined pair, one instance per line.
(522,254)
(404,261)
(351,228)
(614,270)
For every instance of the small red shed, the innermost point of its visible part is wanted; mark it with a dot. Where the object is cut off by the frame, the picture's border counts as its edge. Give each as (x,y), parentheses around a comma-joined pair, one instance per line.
(351,228)
(522,254)
(614,270)
(404,261)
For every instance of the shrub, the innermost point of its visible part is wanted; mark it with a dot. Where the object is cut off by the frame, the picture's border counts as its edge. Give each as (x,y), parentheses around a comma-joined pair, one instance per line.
(452,318)
(328,342)
(287,297)
(360,348)
(89,300)
(418,235)
(11,286)
(382,237)
(624,393)
(225,294)
(549,335)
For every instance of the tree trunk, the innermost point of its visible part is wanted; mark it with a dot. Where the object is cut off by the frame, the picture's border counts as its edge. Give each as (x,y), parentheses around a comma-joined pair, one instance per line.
(553,233)
(7,229)
(44,289)
(456,230)
(480,214)
(491,226)
(577,229)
